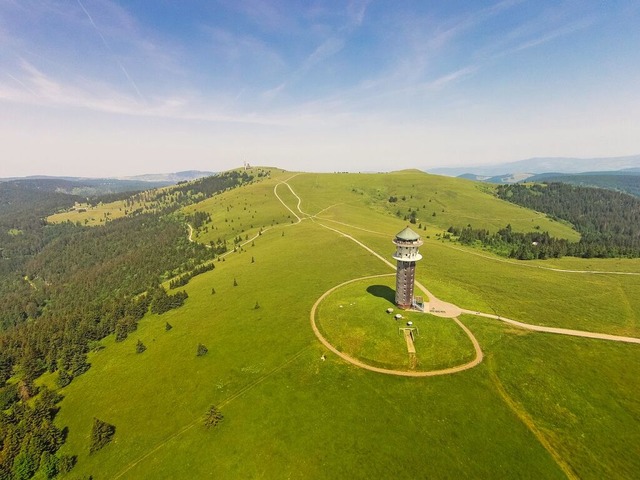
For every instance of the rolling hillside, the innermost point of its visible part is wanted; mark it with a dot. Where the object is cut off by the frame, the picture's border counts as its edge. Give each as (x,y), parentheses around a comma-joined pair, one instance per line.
(538,405)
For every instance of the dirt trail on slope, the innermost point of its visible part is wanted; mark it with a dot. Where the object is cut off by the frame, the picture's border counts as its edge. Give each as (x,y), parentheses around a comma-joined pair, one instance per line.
(449,310)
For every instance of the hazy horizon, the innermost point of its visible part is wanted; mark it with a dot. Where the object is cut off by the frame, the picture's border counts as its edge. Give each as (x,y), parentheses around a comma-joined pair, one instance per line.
(110,89)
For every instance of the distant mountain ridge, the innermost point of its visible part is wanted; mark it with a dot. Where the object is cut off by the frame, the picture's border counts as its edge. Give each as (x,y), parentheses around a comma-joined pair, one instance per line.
(540,165)
(174,177)
(147,177)
(505,178)
(91,187)
(627,181)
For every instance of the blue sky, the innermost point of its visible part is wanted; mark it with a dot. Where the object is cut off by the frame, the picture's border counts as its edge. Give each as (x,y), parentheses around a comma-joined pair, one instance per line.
(108,88)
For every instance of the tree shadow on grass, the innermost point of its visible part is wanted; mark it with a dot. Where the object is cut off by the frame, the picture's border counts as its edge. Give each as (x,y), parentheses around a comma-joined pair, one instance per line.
(383,291)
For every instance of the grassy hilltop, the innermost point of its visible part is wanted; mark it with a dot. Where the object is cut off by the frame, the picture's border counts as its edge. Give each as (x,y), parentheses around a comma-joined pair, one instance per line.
(538,406)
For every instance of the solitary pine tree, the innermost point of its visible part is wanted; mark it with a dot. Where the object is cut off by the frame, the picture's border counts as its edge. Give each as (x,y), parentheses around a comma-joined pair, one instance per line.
(49,464)
(64,378)
(167,326)
(257,306)
(235,282)
(101,434)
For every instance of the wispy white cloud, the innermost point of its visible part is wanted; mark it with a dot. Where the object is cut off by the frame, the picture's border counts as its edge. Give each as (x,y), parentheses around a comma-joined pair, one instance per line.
(549,24)
(40,89)
(332,44)
(448,78)
(562,31)
(37,88)
(106,45)
(426,42)
(356,10)
(302,69)
(325,50)
(242,48)
(22,84)
(421,41)
(271,15)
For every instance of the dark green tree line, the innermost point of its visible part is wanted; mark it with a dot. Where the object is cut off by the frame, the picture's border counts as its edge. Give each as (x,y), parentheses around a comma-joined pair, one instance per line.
(608,221)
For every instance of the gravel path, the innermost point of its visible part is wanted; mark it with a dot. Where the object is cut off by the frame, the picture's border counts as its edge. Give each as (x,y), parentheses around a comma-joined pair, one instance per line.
(402,373)
(558,331)
(441,308)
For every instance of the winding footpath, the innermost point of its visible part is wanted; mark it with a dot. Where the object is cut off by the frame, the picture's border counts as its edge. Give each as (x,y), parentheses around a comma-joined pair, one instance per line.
(556,330)
(443,309)
(438,307)
(541,267)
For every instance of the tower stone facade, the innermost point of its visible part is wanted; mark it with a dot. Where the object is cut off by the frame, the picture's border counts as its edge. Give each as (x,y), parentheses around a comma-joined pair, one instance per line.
(407,243)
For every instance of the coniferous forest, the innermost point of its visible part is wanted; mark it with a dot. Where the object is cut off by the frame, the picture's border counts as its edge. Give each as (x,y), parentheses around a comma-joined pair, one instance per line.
(64,287)
(608,222)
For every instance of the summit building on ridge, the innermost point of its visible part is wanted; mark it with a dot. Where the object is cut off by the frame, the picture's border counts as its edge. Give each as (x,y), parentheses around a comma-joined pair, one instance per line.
(407,242)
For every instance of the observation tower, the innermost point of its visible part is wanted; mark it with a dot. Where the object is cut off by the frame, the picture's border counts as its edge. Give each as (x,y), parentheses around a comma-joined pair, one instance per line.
(407,243)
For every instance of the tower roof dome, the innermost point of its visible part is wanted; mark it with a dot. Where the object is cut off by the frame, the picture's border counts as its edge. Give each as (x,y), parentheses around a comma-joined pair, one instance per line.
(407,235)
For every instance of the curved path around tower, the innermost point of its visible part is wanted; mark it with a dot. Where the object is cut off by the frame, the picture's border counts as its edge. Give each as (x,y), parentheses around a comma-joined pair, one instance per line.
(403,373)
(436,307)
(439,307)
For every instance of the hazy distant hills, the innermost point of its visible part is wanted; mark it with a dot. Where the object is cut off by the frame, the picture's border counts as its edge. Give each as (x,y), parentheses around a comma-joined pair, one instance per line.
(170,177)
(614,173)
(507,178)
(543,165)
(90,187)
(622,180)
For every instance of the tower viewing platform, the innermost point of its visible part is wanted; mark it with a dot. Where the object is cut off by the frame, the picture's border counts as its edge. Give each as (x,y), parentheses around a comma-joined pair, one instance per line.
(407,243)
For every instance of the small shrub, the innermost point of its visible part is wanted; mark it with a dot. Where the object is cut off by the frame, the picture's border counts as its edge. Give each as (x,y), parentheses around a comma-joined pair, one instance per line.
(213,417)
(66,463)
(202,350)
(140,347)
(64,378)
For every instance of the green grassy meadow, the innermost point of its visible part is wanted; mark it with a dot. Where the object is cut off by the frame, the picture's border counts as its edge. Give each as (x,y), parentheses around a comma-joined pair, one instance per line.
(538,406)
(91,215)
(236,213)
(354,320)
(454,201)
